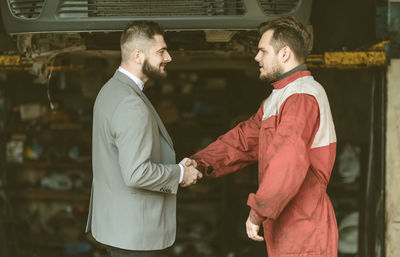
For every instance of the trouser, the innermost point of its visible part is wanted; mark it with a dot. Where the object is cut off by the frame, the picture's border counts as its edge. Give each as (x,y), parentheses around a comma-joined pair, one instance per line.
(116,252)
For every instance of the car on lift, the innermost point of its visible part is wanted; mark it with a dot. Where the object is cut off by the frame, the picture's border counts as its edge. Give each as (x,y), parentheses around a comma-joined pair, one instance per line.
(43,29)
(37,16)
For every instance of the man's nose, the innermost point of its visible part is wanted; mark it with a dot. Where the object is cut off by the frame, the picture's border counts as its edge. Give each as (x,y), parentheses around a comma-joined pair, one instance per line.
(167,57)
(257,57)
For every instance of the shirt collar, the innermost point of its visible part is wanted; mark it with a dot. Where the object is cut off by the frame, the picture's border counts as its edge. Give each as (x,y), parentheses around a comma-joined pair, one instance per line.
(290,76)
(137,81)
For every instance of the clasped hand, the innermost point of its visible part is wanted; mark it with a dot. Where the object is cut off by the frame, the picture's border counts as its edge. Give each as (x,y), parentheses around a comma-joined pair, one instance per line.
(190,174)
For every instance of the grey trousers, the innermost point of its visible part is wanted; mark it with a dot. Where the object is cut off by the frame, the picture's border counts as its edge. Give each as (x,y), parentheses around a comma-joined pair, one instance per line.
(116,252)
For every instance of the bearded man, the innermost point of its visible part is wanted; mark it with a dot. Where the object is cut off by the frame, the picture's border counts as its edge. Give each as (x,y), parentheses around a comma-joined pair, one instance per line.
(292,137)
(135,175)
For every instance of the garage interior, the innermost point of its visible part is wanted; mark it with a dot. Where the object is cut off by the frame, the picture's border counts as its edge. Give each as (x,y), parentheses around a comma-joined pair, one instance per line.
(45,134)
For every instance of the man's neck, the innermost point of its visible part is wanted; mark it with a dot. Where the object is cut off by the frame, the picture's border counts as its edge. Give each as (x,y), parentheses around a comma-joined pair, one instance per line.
(134,70)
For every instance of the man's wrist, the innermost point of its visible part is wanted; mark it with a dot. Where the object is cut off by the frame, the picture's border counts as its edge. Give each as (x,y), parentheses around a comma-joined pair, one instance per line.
(204,169)
(255,218)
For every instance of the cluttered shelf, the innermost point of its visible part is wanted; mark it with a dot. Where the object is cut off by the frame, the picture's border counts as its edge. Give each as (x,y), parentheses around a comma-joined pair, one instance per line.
(47,194)
(47,150)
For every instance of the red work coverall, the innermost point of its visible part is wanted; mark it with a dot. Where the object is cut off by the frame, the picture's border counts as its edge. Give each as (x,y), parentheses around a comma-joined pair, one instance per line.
(292,136)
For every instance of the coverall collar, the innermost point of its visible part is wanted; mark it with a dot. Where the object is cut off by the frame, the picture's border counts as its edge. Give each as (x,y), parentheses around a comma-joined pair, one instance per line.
(290,76)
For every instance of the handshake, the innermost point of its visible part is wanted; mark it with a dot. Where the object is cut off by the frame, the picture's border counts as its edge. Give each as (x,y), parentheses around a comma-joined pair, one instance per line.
(191,174)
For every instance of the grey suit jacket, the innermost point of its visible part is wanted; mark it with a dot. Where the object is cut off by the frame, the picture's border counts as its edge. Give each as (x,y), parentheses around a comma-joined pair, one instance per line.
(135,175)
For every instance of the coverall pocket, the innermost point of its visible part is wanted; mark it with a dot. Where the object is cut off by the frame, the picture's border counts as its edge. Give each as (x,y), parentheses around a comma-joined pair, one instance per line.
(269,123)
(296,233)
(267,131)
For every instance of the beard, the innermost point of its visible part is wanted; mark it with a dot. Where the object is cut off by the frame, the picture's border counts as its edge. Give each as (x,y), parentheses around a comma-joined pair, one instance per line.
(153,72)
(273,74)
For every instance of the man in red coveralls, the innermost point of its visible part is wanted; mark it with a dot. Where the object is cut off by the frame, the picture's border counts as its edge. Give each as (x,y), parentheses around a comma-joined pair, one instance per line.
(292,136)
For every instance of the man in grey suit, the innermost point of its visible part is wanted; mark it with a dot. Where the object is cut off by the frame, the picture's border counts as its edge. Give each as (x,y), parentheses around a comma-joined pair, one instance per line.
(135,175)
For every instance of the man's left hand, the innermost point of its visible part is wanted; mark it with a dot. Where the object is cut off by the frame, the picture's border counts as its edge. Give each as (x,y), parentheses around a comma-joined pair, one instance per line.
(252,230)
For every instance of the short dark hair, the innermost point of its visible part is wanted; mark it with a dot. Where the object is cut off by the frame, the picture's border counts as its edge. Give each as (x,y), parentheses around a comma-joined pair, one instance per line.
(138,30)
(287,31)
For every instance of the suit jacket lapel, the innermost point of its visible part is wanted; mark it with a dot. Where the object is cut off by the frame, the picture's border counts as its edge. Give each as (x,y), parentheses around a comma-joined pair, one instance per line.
(126,80)
(163,130)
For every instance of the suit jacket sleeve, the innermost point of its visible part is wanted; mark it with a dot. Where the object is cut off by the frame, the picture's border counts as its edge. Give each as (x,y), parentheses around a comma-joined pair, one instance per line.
(287,156)
(233,150)
(133,131)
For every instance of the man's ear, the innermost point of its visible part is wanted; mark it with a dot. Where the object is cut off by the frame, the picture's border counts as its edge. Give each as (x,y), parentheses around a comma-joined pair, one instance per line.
(138,56)
(285,53)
